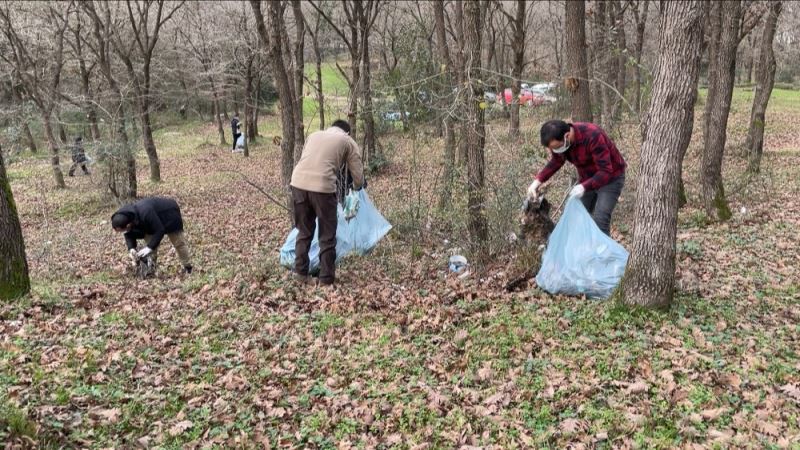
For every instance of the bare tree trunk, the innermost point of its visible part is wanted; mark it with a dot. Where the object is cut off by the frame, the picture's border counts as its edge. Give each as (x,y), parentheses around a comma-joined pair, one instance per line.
(299,72)
(318,67)
(14,279)
(447,120)
(650,275)
(473,26)
(577,72)
(641,22)
(369,149)
(722,70)
(765,80)
(52,144)
(620,40)
(26,129)
(519,63)
(461,64)
(248,102)
(604,63)
(217,113)
(149,142)
(272,40)
(256,107)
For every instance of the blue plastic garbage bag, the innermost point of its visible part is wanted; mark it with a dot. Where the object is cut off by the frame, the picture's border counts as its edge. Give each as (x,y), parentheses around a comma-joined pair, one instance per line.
(359,235)
(240,141)
(580,259)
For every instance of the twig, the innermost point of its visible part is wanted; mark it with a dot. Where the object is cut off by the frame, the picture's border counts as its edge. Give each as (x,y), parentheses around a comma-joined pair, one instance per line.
(246,180)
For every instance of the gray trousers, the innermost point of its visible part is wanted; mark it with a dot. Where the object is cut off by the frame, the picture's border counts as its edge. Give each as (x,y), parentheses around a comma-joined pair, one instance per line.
(601,202)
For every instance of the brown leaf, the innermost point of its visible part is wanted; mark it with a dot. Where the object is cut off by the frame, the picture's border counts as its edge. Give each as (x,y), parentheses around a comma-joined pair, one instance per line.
(712,414)
(106,415)
(792,390)
(638,387)
(769,428)
(733,380)
(180,427)
(572,426)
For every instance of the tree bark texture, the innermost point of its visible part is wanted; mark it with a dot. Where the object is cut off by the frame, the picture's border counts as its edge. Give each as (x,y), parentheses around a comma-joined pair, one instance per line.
(14,279)
(519,63)
(448,127)
(476,137)
(577,72)
(765,80)
(650,276)
(722,70)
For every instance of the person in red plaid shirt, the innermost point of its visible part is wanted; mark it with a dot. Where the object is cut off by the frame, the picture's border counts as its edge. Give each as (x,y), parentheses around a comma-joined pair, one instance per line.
(601,168)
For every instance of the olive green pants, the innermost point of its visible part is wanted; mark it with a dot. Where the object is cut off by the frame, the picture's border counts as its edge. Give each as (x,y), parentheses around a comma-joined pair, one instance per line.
(178,240)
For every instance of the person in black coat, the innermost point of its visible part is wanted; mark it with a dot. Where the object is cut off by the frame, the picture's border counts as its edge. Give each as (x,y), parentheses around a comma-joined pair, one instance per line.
(236,126)
(78,157)
(150,219)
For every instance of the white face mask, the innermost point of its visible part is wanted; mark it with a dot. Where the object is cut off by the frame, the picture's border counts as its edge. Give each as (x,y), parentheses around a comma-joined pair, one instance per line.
(563,148)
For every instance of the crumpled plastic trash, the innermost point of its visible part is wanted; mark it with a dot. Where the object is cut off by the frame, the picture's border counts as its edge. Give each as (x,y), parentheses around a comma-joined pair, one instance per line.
(579,258)
(351,205)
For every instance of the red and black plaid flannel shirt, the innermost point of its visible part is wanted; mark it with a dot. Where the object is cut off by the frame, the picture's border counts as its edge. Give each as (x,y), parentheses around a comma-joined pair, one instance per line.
(593,153)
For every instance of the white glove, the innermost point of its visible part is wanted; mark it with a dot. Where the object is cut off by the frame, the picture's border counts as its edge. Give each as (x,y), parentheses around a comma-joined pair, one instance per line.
(577,191)
(533,189)
(144,252)
(132,254)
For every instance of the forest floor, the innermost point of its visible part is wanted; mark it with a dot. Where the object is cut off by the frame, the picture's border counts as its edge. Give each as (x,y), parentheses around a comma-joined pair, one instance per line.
(402,354)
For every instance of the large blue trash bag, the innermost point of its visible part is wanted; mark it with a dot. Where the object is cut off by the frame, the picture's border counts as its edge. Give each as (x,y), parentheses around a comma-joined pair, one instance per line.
(580,259)
(359,235)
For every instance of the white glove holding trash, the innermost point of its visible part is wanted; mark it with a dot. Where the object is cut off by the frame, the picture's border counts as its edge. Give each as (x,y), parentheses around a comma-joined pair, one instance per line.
(144,252)
(533,189)
(577,191)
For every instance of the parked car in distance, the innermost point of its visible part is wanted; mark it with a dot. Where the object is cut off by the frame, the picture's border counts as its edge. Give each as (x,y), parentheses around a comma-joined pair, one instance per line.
(526,97)
(490,97)
(544,88)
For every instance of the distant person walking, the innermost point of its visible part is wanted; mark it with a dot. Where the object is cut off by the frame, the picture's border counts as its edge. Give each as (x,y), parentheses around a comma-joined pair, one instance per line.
(78,157)
(236,126)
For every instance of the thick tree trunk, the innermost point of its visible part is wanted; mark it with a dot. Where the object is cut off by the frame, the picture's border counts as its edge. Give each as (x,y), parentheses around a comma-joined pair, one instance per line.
(765,80)
(473,27)
(52,145)
(722,70)
(448,128)
(256,107)
(519,63)
(461,62)
(14,279)
(577,76)
(299,72)
(650,276)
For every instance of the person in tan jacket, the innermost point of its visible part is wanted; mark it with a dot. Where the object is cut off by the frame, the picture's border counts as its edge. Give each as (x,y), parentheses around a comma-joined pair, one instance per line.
(314,195)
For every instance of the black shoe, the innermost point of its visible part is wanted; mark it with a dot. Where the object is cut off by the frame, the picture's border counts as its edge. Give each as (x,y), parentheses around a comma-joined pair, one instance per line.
(187,269)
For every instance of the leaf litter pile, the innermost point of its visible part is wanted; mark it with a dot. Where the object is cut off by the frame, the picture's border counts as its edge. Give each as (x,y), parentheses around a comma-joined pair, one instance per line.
(402,354)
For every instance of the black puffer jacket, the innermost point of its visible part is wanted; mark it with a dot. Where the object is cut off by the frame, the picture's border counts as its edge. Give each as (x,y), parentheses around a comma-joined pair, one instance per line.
(154,216)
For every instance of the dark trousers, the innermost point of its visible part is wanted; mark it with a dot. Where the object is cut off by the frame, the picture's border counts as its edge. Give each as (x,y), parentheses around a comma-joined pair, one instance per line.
(308,207)
(235,138)
(601,202)
(75,166)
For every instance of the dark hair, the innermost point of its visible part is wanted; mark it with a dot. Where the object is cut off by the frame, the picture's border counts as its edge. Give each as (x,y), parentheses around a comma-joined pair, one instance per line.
(120,220)
(339,123)
(554,130)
